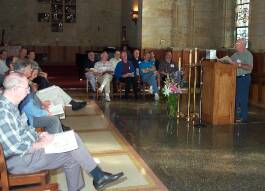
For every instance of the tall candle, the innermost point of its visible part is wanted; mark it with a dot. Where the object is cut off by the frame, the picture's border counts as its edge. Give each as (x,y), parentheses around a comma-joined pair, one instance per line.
(195,56)
(179,63)
(190,57)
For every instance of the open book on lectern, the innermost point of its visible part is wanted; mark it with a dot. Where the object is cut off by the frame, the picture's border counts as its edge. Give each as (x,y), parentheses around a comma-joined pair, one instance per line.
(225,60)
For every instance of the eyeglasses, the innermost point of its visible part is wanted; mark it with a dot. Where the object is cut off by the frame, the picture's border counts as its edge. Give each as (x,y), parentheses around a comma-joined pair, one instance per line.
(25,88)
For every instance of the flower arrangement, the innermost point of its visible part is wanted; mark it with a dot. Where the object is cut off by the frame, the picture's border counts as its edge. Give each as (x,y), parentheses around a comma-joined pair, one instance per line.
(171,90)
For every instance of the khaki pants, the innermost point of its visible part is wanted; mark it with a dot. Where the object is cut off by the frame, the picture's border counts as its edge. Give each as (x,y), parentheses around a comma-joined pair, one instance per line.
(105,82)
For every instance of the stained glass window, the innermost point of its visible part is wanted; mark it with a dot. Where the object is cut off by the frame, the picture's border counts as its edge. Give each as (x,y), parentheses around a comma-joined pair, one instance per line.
(242,18)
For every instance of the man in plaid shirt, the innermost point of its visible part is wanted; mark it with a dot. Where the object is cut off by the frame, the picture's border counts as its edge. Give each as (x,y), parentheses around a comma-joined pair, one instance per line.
(24,148)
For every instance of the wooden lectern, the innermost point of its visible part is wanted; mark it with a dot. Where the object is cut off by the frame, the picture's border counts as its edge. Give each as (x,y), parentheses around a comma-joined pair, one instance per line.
(218,93)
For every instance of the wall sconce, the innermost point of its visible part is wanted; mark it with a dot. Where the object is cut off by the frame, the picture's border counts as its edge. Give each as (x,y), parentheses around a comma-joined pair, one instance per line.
(134,16)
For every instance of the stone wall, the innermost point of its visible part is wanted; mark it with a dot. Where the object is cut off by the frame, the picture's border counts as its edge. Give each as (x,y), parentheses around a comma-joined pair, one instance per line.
(198,23)
(185,23)
(132,28)
(162,23)
(98,24)
(257,25)
(156,23)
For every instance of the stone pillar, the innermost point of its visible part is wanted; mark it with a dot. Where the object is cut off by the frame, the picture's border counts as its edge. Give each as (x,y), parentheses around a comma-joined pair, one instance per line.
(257,26)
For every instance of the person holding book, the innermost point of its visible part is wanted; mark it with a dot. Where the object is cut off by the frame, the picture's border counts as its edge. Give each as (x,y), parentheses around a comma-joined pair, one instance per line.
(125,73)
(243,59)
(38,116)
(55,93)
(24,148)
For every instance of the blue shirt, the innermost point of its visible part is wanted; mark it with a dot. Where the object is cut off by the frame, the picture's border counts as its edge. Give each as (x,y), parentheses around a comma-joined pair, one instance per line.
(145,65)
(119,69)
(31,108)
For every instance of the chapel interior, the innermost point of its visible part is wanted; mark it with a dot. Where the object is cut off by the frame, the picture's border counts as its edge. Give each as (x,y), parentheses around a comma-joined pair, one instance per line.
(186,152)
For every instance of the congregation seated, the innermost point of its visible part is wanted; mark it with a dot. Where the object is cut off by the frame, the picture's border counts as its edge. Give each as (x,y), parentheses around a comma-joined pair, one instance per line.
(154,60)
(31,56)
(125,72)
(36,111)
(167,66)
(57,95)
(39,80)
(24,148)
(38,76)
(38,115)
(149,74)
(10,61)
(136,60)
(114,61)
(22,53)
(88,67)
(103,72)
(127,49)
(3,66)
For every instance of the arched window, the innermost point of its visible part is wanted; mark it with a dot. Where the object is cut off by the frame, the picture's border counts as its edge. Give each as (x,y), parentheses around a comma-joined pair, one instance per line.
(242,19)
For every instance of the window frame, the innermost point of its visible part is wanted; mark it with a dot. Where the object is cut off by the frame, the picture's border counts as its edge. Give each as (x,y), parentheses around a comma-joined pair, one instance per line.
(236,20)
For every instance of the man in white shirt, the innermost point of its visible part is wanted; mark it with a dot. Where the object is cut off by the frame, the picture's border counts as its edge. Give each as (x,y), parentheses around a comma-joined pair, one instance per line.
(3,67)
(104,72)
(114,61)
(117,58)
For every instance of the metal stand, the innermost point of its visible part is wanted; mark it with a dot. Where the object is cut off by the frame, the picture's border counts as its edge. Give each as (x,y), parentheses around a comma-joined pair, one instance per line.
(194,114)
(200,124)
(188,117)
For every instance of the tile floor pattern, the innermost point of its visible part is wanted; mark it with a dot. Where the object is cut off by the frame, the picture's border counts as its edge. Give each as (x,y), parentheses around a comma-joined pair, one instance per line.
(214,158)
(110,150)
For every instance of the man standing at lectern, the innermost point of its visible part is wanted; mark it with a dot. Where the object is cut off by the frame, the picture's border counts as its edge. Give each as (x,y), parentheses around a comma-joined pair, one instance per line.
(243,59)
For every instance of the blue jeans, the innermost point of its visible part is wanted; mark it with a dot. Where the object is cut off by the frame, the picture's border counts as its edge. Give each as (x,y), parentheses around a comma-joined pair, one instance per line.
(150,78)
(242,93)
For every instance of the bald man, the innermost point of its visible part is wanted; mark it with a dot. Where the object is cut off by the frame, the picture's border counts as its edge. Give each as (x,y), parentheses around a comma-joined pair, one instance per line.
(24,148)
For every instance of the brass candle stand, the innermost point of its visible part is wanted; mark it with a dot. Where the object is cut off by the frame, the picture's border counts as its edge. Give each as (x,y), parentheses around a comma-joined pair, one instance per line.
(188,117)
(195,114)
(199,123)
(179,114)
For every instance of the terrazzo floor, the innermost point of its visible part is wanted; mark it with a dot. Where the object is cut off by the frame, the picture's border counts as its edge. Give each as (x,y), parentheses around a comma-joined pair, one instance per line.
(110,150)
(184,158)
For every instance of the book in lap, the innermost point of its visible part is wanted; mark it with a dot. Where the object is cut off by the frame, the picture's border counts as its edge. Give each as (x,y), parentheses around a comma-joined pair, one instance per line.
(57,110)
(62,142)
(47,94)
(225,60)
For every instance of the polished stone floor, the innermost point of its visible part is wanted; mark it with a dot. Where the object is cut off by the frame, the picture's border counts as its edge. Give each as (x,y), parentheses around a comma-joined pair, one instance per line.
(110,150)
(227,158)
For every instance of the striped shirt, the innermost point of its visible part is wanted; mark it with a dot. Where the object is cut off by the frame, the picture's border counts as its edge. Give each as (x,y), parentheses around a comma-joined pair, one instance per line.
(243,58)
(103,67)
(16,136)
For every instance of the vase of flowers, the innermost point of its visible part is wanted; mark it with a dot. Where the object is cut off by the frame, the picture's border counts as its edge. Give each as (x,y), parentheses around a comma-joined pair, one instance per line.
(171,90)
